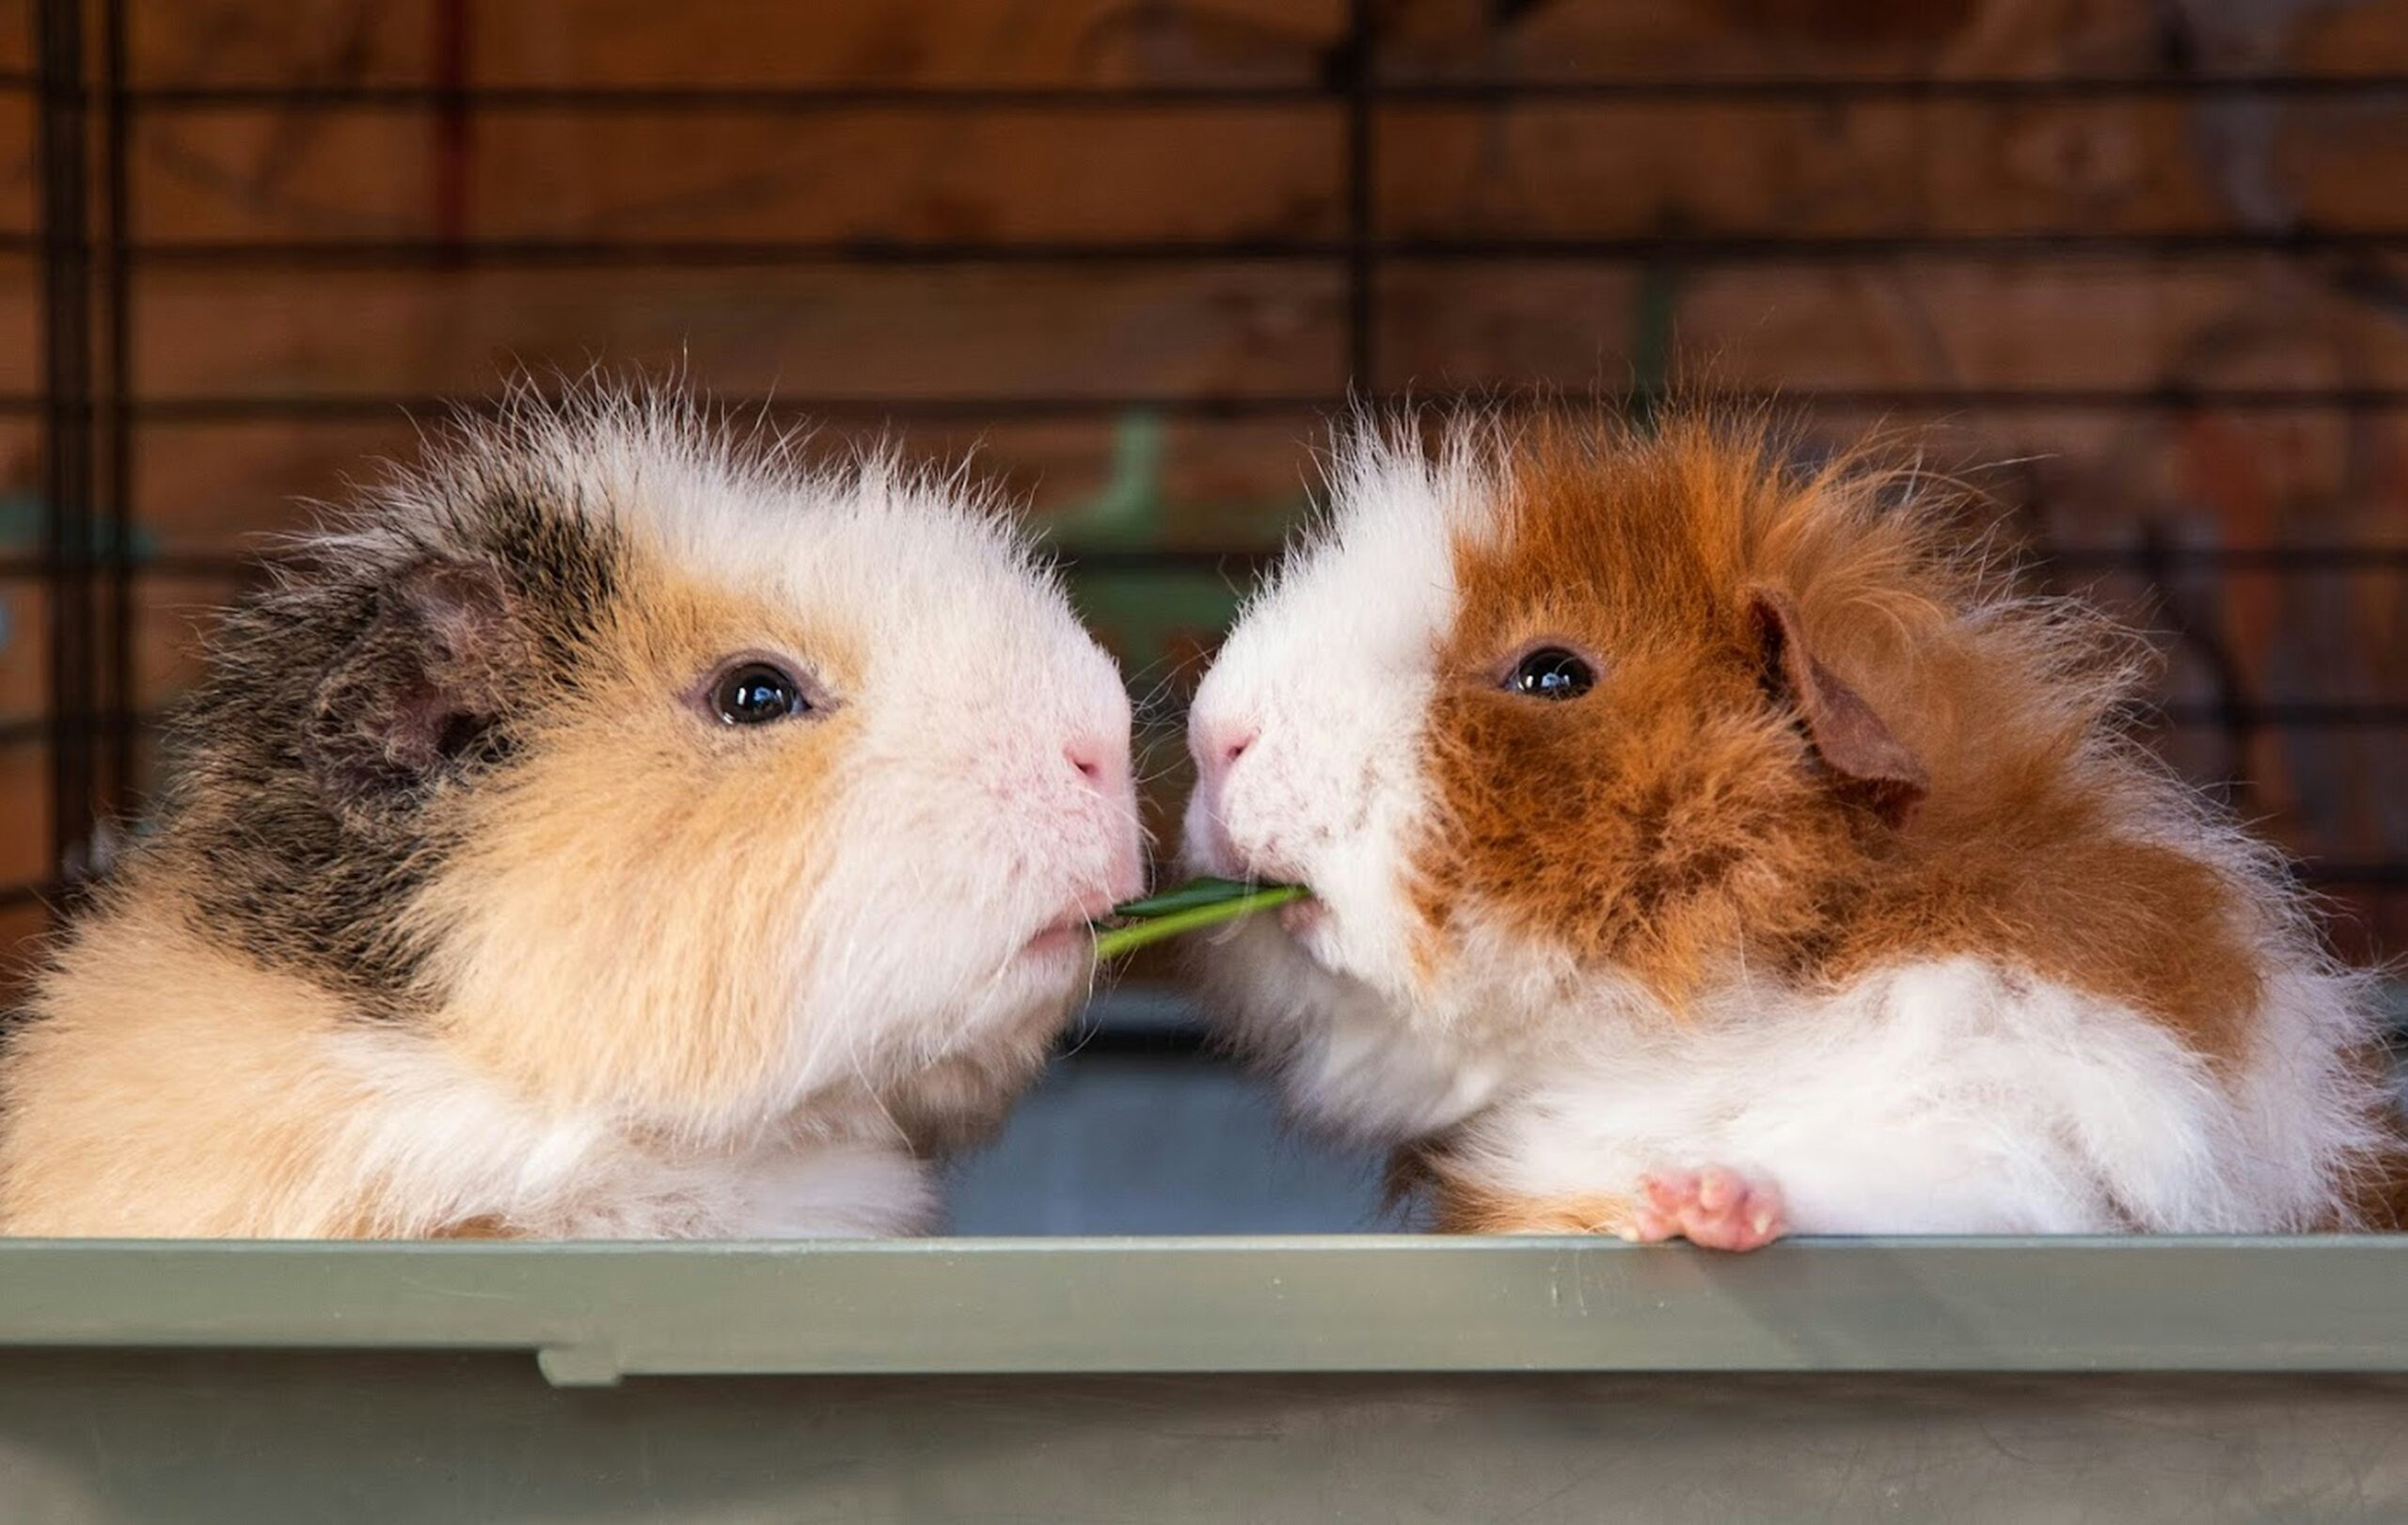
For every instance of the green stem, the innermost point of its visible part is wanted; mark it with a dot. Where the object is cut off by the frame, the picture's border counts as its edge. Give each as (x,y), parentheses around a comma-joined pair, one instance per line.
(1113,941)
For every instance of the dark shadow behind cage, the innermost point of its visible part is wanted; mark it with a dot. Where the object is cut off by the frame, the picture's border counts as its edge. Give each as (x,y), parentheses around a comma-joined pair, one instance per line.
(2138,273)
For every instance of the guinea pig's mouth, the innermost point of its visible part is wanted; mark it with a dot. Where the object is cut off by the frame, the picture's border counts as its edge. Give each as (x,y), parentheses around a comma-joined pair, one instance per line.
(1071,932)
(1304,920)
(1069,935)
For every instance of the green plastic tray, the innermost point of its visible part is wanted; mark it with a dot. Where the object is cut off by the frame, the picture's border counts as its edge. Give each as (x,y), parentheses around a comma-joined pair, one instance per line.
(1263,1380)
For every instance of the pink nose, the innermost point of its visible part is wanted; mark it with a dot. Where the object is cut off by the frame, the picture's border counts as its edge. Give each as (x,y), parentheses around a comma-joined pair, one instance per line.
(1218,745)
(1099,761)
(1102,763)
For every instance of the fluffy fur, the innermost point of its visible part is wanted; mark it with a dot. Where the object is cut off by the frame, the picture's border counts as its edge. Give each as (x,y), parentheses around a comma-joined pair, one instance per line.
(2008,976)
(462,914)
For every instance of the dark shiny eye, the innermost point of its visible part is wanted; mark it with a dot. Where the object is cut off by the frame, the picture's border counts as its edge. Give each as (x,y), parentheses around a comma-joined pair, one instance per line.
(755,694)
(1552,673)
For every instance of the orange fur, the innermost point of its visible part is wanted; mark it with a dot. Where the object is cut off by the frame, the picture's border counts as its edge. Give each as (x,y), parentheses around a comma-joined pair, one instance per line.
(1675,820)
(145,1023)
(624,861)
(1462,1206)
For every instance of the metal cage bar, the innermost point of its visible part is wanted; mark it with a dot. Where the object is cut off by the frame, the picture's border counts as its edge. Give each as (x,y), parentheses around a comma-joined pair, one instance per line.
(62,135)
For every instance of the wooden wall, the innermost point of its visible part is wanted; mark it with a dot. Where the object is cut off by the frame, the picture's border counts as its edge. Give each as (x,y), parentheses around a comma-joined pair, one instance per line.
(2042,258)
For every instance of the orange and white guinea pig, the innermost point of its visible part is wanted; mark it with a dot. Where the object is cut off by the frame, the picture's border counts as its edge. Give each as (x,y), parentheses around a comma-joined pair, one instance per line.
(614,827)
(1703,845)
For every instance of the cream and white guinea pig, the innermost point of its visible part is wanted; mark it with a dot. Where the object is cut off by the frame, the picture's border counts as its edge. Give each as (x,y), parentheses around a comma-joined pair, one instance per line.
(1703,845)
(613,828)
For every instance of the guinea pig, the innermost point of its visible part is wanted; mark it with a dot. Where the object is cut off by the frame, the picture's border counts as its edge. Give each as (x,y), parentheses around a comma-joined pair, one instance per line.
(1705,844)
(612,827)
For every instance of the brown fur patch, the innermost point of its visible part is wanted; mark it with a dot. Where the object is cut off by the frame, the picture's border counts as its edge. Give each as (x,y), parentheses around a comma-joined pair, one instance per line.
(2377,1199)
(1460,1203)
(2379,1203)
(1677,820)
(1463,1207)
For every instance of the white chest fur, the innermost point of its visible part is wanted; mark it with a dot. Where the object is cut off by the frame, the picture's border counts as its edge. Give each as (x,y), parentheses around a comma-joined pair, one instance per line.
(1953,1097)
(435,1145)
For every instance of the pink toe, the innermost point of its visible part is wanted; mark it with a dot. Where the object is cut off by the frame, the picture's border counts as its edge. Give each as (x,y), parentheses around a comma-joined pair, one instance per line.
(1717,1208)
(1716,1190)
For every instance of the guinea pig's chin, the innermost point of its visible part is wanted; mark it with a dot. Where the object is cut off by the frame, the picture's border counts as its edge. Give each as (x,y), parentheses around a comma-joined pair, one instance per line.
(1000,1023)
(1045,980)
(1012,1014)
(945,994)
(1034,984)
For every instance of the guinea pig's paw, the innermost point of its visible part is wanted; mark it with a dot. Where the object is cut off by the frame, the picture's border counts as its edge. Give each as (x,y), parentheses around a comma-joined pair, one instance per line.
(1713,1207)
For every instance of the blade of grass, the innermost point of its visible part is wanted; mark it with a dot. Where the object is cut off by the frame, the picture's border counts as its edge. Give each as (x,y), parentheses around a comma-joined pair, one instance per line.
(1113,941)
(1196,892)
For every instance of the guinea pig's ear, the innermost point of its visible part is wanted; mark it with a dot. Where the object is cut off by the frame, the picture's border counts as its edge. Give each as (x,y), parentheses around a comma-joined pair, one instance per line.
(416,695)
(1866,760)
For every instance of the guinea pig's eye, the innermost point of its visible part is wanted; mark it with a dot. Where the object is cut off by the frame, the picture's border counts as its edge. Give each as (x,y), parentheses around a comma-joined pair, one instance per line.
(1552,673)
(755,694)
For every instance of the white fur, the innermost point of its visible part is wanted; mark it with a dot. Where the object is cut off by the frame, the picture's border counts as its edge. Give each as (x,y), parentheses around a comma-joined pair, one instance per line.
(1933,1096)
(1352,1060)
(1329,669)
(455,1148)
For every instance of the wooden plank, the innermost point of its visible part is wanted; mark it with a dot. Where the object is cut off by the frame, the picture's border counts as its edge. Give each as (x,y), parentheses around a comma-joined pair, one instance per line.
(1131,482)
(21,351)
(24,648)
(1882,166)
(1140,175)
(2082,322)
(885,333)
(749,43)
(20,191)
(1005,43)
(24,817)
(323,41)
(218,489)
(23,930)
(16,34)
(1878,167)
(1742,39)
(2368,39)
